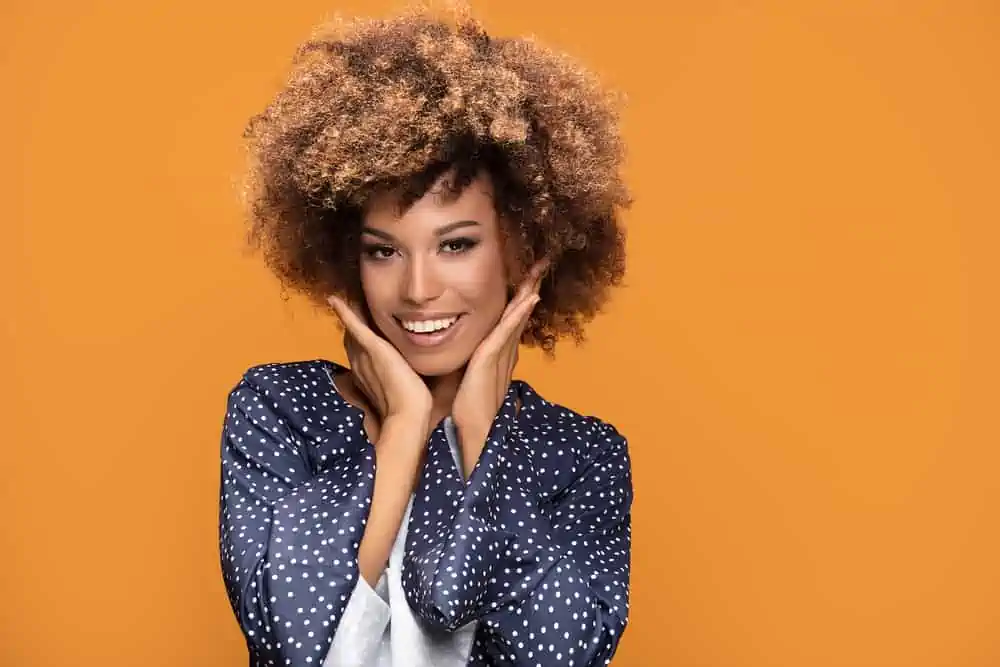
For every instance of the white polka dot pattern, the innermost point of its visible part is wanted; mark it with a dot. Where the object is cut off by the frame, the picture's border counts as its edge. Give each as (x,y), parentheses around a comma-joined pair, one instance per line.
(544,565)
(536,545)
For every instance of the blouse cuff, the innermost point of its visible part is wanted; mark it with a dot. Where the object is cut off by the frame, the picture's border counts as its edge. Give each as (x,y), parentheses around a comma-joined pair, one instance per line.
(360,630)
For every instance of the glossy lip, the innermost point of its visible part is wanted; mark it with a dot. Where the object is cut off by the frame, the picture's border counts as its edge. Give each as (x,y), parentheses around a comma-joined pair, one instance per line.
(431,339)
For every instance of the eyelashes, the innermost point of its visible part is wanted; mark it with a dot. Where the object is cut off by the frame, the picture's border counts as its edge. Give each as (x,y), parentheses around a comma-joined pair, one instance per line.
(459,245)
(381,252)
(377,251)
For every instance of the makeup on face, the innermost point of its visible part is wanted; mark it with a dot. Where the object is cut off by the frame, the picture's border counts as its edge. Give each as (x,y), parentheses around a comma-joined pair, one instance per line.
(434,277)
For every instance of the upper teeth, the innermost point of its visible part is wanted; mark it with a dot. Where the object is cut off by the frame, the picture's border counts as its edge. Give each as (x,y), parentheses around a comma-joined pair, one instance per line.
(426,326)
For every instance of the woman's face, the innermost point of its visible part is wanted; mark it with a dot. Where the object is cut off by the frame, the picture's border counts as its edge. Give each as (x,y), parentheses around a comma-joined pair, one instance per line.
(434,278)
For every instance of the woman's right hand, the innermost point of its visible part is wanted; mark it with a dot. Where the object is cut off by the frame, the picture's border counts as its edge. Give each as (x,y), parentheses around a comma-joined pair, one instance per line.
(392,387)
(403,404)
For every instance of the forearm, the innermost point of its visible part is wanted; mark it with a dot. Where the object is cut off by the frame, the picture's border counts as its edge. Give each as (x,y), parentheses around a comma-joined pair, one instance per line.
(397,455)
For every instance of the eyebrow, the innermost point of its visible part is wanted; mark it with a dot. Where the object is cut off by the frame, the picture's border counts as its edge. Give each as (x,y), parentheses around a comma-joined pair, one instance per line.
(441,231)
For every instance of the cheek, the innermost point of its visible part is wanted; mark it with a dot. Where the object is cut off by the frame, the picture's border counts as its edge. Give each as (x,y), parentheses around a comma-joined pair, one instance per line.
(484,287)
(378,294)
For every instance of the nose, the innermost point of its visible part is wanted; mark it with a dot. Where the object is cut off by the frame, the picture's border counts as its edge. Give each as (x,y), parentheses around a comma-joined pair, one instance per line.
(420,283)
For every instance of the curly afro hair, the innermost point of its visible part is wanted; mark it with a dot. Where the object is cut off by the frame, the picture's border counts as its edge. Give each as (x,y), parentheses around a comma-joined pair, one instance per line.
(376,104)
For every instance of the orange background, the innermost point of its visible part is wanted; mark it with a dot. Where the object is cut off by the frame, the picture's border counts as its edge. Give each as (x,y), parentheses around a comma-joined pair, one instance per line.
(805,358)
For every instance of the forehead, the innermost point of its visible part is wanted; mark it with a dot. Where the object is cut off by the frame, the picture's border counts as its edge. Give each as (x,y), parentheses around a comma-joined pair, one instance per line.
(437,207)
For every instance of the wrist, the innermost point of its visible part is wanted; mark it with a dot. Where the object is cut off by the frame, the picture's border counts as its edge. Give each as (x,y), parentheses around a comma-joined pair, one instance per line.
(472,422)
(412,423)
(471,441)
(471,432)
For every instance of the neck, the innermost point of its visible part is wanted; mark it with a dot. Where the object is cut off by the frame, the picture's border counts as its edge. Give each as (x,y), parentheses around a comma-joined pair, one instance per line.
(443,389)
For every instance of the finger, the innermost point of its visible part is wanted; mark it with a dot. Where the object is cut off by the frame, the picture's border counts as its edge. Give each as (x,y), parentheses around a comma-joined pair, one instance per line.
(528,287)
(354,357)
(364,372)
(532,280)
(352,320)
(508,330)
(361,367)
(522,325)
(349,347)
(513,343)
(516,312)
(513,348)
(354,350)
(540,269)
(537,273)
(514,302)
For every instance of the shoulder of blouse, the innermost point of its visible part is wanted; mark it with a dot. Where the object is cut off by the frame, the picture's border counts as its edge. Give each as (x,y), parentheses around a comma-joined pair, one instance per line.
(301,398)
(564,442)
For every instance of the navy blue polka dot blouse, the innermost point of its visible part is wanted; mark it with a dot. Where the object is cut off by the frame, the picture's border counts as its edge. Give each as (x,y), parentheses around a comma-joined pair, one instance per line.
(534,546)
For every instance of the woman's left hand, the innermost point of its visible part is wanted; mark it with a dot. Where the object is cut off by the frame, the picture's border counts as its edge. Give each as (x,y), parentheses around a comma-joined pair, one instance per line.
(488,374)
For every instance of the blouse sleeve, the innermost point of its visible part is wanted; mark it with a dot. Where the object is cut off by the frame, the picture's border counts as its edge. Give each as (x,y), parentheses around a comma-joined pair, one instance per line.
(289,535)
(548,580)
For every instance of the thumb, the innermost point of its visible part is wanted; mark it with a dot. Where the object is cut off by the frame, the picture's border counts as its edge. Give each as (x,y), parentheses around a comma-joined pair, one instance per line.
(352,321)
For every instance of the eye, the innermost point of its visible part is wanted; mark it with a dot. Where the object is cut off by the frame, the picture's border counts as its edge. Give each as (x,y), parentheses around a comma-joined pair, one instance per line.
(377,251)
(458,245)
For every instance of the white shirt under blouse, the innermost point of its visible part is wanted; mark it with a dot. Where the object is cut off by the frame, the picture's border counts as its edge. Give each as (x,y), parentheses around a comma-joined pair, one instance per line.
(378,628)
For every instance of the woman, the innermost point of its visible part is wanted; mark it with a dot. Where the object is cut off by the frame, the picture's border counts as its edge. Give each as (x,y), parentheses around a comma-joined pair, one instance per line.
(449,195)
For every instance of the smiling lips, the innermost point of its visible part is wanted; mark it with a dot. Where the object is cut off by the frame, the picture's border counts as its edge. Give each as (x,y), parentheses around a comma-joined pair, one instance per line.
(428,326)
(429,332)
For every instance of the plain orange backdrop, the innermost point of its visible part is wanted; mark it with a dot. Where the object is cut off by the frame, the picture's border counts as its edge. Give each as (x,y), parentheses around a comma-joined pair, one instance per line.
(804,357)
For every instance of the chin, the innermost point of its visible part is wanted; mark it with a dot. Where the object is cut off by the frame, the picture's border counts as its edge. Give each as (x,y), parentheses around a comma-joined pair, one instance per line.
(436,366)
